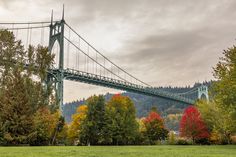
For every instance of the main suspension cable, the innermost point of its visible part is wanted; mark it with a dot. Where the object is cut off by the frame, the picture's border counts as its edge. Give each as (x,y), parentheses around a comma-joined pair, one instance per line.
(105,56)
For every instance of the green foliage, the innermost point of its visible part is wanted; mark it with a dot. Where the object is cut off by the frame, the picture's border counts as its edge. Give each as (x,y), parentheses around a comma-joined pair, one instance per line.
(171,138)
(218,120)
(43,123)
(22,92)
(92,128)
(220,112)
(182,141)
(122,128)
(112,123)
(225,87)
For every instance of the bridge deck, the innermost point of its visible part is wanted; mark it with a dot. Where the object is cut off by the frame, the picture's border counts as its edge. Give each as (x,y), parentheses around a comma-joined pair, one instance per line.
(80,76)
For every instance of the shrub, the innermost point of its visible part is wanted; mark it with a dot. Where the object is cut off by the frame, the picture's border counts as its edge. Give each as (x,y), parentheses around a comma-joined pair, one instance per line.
(233,138)
(182,141)
(203,141)
(215,138)
(171,138)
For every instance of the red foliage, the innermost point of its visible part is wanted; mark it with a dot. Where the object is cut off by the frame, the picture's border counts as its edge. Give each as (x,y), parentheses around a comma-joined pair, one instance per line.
(117,95)
(192,125)
(152,116)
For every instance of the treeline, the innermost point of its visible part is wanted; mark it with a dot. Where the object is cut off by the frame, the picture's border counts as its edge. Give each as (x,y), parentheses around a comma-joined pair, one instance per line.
(114,123)
(143,104)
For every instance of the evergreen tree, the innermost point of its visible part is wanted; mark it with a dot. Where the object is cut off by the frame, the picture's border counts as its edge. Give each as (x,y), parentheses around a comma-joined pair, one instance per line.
(21,93)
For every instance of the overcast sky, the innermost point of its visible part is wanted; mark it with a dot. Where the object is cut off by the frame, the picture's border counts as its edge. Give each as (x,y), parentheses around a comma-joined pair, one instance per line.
(162,42)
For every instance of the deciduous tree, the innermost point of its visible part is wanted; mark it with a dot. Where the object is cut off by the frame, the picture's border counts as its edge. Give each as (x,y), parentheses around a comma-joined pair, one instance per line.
(91,130)
(122,125)
(74,127)
(154,128)
(192,125)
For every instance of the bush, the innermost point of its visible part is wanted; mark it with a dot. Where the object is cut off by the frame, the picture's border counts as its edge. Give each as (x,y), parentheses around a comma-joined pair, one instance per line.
(203,141)
(215,138)
(183,142)
(233,138)
(171,138)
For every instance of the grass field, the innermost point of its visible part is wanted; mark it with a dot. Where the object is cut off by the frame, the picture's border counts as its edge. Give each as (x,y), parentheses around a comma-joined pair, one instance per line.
(120,151)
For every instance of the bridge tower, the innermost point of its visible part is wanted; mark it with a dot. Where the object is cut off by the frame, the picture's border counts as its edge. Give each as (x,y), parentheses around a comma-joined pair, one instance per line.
(57,34)
(203,92)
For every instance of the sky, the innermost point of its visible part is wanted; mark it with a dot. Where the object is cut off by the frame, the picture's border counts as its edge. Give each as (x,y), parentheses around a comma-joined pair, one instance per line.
(161,42)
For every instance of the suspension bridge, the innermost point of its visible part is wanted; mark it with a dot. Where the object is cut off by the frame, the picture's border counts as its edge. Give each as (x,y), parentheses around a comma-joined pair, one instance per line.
(77,60)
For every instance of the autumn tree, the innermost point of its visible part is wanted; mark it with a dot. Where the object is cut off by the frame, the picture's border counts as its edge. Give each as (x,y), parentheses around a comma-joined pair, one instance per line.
(22,91)
(154,128)
(224,92)
(74,127)
(43,126)
(192,125)
(122,125)
(219,123)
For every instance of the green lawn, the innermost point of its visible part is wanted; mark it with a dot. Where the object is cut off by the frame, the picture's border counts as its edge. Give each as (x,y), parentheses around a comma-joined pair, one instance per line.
(120,151)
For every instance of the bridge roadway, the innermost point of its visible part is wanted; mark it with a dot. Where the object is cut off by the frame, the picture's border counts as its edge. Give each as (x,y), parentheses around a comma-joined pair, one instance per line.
(79,76)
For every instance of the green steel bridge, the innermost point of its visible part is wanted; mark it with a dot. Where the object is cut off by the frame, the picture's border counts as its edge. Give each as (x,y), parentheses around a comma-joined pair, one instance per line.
(77,60)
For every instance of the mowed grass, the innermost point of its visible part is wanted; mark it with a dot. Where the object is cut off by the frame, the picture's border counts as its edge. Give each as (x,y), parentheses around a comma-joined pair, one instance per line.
(120,151)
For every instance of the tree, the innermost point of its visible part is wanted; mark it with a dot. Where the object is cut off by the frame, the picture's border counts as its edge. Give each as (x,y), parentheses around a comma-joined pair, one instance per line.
(172,121)
(122,126)
(43,124)
(74,127)
(22,92)
(224,92)
(225,88)
(46,127)
(219,123)
(93,125)
(192,126)
(154,128)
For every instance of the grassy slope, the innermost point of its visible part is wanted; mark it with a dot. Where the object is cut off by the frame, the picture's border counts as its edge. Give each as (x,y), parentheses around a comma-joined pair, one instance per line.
(120,151)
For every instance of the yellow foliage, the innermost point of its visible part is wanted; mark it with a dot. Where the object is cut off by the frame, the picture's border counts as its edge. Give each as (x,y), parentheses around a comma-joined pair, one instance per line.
(215,138)
(73,129)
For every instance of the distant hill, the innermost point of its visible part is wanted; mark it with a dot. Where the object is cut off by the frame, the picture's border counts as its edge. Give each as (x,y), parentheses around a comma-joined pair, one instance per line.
(144,103)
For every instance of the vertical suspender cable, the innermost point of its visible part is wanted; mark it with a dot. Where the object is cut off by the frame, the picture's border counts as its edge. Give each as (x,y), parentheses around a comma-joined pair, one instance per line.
(42,35)
(76,59)
(16,33)
(96,62)
(104,66)
(68,49)
(88,60)
(13,27)
(30,34)
(78,55)
(93,67)
(27,37)
(85,63)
